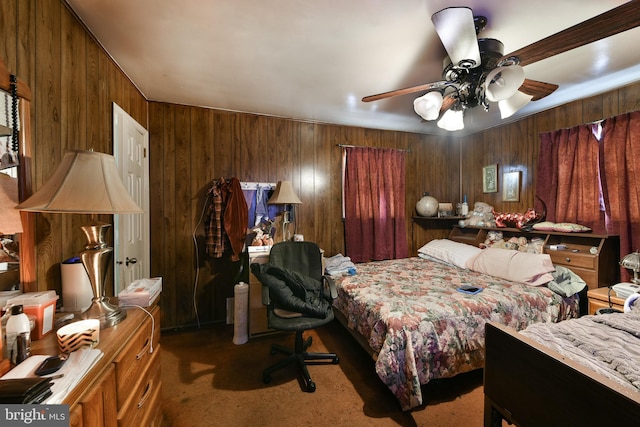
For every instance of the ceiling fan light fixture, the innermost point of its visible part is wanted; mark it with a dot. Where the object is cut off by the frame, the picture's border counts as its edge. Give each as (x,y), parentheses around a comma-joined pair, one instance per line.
(503,82)
(509,106)
(428,105)
(456,28)
(452,120)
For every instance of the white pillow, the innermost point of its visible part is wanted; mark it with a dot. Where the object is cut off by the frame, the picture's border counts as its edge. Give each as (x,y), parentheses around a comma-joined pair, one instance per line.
(450,252)
(522,267)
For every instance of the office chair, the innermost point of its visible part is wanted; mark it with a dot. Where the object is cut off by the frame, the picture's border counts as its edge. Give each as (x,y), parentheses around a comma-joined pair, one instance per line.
(298,298)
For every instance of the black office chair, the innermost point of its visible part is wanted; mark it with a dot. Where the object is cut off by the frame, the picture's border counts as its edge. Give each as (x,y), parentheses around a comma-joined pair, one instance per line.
(298,298)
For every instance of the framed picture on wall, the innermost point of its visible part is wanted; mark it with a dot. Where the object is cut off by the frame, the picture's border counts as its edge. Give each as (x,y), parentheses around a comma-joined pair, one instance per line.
(511,187)
(490,179)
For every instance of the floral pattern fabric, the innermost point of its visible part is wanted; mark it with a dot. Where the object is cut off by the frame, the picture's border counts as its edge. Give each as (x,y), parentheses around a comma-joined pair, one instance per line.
(420,328)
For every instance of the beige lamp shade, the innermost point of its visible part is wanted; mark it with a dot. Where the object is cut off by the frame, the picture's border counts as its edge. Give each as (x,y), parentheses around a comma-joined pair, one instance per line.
(9,216)
(86,182)
(284,195)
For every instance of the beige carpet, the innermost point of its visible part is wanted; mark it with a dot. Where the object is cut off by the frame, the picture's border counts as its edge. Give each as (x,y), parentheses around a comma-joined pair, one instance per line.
(209,381)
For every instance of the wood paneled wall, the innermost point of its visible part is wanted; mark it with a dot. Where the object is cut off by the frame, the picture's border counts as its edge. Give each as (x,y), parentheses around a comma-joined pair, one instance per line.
(514,147)
(190,147)
(74,83)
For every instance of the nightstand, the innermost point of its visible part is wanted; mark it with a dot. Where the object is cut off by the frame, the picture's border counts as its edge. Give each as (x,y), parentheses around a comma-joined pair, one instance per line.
(599,298)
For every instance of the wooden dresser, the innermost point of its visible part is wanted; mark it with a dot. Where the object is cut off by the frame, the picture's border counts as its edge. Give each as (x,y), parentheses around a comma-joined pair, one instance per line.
(123,389)
(593,257)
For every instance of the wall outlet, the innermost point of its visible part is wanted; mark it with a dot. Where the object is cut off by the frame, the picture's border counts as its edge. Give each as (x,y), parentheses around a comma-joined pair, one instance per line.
(230,311)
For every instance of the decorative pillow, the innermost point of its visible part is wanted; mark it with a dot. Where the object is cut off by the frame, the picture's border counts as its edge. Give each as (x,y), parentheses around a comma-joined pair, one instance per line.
(544,226)
(568,227)
(450,252)
(564,227)
(523,267)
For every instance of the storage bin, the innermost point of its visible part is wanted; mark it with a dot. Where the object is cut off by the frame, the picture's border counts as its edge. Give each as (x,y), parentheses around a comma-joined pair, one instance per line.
(42,305)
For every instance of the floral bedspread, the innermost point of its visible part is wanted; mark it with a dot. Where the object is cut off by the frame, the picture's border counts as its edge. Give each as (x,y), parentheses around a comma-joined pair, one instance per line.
(421,328)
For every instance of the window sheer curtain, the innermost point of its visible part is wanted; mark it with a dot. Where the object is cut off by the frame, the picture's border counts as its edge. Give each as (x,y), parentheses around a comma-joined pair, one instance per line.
(620,160)
(374,203)
(567,176)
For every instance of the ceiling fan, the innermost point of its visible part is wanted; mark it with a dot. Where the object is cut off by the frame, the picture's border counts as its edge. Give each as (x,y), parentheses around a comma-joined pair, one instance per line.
(476,70)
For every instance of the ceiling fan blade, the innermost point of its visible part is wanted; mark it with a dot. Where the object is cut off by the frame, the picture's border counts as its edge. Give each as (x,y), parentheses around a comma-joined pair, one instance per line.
(614,21)
(457,31)
(404,91)
(537,89)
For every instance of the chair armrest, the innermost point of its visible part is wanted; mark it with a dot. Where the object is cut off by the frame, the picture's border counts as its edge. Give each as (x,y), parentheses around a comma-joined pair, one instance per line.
(266,299)
(328,282)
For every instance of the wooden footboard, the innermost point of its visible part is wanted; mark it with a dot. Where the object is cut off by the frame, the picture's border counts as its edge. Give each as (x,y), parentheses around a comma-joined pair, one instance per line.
(530,385)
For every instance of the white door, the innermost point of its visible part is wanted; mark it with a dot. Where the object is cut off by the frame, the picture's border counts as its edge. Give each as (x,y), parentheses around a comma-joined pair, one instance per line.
(131,231)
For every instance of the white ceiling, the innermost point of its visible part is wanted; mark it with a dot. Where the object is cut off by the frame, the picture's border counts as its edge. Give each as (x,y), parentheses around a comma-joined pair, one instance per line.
(315,60)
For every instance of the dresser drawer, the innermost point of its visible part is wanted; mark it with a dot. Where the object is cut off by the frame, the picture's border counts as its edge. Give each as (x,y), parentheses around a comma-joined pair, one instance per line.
(134,358)
(570,259)
(141,402)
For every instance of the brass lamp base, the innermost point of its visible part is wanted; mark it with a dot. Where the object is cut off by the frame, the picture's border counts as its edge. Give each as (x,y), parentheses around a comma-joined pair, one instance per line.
(108,314)
(96,259)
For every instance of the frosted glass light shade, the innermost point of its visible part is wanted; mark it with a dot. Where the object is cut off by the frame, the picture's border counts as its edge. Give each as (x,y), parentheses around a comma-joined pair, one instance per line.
(428,106)
(503,82)
(509,106)
(452,120)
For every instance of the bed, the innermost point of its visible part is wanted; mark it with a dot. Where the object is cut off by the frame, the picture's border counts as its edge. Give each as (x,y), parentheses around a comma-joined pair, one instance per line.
(581,372)
(408,314)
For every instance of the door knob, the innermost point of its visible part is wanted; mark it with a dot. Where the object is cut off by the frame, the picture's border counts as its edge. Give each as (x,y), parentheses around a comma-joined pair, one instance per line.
(131,261)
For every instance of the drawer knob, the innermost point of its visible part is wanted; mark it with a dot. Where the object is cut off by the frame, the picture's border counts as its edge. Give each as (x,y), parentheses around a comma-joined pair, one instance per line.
(567,259)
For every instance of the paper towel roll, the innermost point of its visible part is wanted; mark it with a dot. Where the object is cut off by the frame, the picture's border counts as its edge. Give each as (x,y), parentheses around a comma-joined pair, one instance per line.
(240,313)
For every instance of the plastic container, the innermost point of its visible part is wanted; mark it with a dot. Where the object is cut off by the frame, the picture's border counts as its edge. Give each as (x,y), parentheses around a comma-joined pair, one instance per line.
(42,305)
(17,341)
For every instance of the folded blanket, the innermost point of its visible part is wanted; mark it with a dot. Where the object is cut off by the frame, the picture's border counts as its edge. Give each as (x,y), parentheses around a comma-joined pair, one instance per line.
(339,264)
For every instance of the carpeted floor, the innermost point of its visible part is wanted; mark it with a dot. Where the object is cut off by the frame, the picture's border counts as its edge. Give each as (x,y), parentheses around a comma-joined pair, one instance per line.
(209,381)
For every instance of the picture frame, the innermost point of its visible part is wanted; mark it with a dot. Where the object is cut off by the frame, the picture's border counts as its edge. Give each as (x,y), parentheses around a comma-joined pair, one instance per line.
(490,179)
(511,187)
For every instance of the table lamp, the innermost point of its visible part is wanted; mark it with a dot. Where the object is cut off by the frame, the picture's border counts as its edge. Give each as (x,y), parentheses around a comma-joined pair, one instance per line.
(284,195)
(87,182)
(632,262)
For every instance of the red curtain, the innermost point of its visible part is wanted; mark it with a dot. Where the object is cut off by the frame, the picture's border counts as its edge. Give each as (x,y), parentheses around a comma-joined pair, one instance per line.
(567,177)
(374,202)
(620,159)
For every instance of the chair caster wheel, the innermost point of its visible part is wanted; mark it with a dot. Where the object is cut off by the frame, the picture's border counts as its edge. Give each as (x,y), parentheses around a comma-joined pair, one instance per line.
(266,378)
(335,360)
(311,387)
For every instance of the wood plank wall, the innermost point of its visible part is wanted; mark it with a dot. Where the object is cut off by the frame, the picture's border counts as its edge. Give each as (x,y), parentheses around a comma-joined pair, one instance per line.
(514,147)
(74,83)
(191,146)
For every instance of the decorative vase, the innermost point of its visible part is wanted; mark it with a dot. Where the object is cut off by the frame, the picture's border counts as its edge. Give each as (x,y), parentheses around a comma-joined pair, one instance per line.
(427,205)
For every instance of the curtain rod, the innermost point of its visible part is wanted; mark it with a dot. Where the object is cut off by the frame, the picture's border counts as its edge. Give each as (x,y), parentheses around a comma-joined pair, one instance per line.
(377,148)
